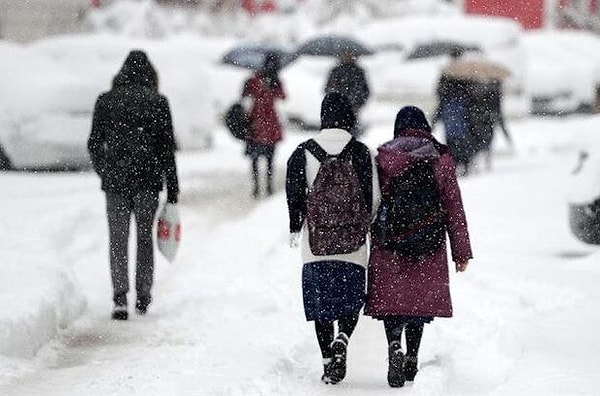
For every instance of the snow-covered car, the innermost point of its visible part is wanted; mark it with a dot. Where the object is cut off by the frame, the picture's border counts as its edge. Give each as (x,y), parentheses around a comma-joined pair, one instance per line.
(552,63)
(415,80)
(46,117)
(584,197)
(396,79)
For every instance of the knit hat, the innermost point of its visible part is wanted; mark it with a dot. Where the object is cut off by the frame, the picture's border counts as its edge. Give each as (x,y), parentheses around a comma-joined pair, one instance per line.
(410,117)
(336,112)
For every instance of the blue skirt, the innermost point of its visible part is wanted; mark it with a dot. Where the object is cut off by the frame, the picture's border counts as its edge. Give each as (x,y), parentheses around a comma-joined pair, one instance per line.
(332,290)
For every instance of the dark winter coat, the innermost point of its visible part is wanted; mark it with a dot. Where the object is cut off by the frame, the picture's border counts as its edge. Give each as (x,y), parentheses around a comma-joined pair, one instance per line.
(265,127)
(417,287)
(349,79)
(132,145)
(486,114)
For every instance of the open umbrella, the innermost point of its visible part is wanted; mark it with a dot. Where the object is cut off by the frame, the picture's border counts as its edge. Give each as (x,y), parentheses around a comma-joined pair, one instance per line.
(333,45)
(439,48)
(252,55)
(476,70)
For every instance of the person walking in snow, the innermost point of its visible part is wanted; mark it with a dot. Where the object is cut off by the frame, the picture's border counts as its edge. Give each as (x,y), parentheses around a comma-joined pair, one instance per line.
(331,188)
(486,114)
(132,149)
(264,88)
(349,79)
(408,270)
(454,110)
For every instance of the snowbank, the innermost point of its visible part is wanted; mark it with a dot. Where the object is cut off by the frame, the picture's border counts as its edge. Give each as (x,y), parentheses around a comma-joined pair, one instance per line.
(38,294)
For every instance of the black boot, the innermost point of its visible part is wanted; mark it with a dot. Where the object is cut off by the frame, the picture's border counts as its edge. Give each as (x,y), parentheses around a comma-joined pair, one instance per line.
(395,375)
(410,368)
(141,304)
(120,310)
(337,367)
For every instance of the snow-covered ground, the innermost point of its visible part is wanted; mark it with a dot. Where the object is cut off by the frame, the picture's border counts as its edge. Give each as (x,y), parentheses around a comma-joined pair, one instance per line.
(228,319)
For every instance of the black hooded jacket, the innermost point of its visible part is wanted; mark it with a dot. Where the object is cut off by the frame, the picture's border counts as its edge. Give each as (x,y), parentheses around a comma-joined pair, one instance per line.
(132,145)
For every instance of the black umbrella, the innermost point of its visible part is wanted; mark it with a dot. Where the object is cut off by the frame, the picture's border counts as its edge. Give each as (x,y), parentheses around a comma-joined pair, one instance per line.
(333,46)
(252,55)
(439,48)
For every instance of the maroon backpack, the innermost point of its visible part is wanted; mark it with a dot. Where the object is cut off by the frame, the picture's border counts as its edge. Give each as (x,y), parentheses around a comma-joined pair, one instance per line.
(337,215)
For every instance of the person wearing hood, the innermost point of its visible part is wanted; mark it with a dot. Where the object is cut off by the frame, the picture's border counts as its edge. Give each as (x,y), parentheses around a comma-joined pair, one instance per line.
(407,292)
(264,88)
(333,285)
(350,79)
(132,149)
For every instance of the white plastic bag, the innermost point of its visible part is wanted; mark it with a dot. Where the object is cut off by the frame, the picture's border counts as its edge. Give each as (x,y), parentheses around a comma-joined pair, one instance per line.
(168,231)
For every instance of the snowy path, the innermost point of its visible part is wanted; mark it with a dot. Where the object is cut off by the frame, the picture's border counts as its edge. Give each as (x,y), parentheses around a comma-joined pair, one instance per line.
(228,320)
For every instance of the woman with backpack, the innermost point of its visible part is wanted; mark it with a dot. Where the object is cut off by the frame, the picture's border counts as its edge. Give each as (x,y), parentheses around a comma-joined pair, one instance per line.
(408,269)
(330,193)
(264,88)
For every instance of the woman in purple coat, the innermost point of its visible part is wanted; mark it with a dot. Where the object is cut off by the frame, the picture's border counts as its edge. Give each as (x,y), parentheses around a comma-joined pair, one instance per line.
(407,292)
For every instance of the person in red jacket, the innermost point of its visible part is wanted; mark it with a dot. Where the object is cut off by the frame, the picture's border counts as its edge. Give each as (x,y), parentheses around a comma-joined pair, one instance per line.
(407,292)
(264,88)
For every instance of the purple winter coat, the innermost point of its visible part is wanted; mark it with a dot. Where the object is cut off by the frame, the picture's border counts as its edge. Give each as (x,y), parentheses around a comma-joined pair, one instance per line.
(417,287)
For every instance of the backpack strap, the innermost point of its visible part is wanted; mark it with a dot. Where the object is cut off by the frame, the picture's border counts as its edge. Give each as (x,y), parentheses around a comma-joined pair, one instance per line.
(319,152)
(321,155)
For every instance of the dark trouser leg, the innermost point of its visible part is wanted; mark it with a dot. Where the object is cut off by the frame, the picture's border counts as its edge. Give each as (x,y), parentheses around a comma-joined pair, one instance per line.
(393,329)
(118,210)
(414,333)
(347,324)
(324,337)
(145,206)
(270,174)
(256,190)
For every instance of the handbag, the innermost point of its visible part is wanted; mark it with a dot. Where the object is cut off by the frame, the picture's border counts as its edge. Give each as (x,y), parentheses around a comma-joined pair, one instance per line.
(168,231)
(237,121)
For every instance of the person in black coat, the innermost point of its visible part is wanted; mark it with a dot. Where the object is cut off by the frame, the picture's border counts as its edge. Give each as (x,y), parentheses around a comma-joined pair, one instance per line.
(132,149)
(349,79)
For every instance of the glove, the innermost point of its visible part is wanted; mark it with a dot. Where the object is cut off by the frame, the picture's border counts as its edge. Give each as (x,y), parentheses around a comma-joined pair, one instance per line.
(294,240)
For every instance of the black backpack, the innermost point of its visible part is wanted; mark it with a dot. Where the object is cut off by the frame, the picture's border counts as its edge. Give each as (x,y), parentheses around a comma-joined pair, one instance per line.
(410,219)
(337,215)
(237,121)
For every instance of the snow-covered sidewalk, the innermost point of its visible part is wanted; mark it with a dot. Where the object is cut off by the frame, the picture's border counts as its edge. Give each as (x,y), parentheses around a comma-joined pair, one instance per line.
(227,317)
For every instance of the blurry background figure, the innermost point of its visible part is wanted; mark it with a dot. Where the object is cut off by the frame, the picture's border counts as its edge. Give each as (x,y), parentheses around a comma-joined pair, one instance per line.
(454,101)
(349,79)
(470,107)
(132,148)
(264,88)
(486,114)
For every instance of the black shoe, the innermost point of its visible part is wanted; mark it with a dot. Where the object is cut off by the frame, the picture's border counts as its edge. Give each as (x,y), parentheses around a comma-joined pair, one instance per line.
(325,377)
(141,305)
(410,368)
(337,367)
(395,375)
(119,312)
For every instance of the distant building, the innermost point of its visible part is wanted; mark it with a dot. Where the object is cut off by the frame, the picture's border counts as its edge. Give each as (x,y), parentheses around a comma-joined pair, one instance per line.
(32,19)
(536,14)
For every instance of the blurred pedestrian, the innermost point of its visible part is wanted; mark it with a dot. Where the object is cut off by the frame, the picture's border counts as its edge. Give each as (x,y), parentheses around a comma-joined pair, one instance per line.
(455,101)
(486,115)
(408,279)
(264,88)
(330,189)
(132,148)
(349,78)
